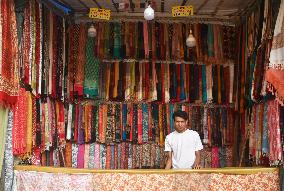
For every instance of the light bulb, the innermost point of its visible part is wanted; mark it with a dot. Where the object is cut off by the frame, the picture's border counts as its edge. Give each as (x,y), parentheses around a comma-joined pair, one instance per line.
(149,13)
(92,32)
(190,41)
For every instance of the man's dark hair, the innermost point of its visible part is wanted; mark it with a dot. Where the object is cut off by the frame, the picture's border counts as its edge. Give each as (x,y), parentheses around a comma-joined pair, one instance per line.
(181,114)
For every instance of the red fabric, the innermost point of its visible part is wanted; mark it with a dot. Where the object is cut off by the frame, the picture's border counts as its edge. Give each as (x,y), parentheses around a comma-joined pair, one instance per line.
(37,44)
(20,124)
(276,79)
(26,44)
(140,126)
(130,120)
(9,67)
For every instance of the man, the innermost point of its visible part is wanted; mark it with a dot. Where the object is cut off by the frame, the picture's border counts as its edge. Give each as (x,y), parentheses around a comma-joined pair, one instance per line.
(183,145)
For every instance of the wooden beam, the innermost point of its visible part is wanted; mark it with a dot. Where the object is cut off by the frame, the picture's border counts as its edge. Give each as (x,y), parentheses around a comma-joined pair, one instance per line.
(218,7)
(183,2)
(201,6)
(115,5)
(131,4)
(66,4)
(97,3)
(162,6)
(84,5)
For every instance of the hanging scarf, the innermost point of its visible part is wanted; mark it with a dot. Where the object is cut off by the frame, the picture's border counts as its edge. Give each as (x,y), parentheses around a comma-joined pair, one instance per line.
(182,84)
(146,39)
(20,124)
(3,129)
(166,83)
(92,68)
(215,157)
(145,121)
(97,156)
(129,126)
(173,83)
(74,155)
(9,81)
(8,155)
(274,131)
(109,124)
(265,140)
(117,40)
(204,84)
(108,156)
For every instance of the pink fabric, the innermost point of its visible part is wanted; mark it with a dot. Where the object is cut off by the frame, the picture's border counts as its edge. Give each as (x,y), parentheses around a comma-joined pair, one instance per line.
(81,151)
(274,131)
(86,156)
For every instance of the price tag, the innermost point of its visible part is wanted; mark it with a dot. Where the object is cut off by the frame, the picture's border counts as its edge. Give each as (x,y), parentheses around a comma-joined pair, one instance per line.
(96,13)
(182,11)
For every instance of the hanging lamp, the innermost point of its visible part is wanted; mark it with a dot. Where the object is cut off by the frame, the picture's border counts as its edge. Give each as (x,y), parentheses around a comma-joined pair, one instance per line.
(92,32)
(190,41)
(149,13)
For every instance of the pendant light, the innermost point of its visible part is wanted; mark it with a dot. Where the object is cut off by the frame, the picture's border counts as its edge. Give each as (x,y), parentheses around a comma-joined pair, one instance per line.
(190,41)
(149,13)
(92,32)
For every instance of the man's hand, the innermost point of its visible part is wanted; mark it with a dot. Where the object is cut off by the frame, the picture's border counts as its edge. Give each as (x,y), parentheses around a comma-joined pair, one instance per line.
(168,160)
(196,166)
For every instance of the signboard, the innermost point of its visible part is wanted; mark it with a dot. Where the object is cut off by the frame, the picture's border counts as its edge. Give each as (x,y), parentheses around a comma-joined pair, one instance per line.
(182,11)
(96,13)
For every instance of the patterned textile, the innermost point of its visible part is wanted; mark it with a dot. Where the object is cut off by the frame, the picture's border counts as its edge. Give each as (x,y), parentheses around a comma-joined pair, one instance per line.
(275,73)
(9,81)
(91,156)
(259,181)
(20,124)
(92,67)
(80,65)
(74,155)
(97,156)
(27,180)
(8,157)
(275,148)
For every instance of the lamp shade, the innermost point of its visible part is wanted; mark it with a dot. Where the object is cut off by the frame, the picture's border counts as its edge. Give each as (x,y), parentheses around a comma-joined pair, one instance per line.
(190,41)
(92,32)
(149,13)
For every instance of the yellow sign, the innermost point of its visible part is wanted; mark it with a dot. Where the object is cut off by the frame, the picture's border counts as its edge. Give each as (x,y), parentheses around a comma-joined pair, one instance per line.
(96,13)
(182,11)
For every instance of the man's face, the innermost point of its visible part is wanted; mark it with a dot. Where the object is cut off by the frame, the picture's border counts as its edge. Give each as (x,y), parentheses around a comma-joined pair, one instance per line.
(180,124)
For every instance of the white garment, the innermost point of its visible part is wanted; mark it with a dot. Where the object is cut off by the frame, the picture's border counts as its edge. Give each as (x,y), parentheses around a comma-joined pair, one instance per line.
(183,147)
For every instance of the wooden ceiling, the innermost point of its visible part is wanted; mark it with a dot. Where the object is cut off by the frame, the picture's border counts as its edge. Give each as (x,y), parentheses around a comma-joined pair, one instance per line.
(226,9)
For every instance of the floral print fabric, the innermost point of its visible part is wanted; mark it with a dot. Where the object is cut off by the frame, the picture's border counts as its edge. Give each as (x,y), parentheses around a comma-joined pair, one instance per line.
(28,180)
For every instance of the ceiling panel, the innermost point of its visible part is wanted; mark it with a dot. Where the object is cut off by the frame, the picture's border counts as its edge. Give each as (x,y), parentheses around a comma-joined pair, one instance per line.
(219,8)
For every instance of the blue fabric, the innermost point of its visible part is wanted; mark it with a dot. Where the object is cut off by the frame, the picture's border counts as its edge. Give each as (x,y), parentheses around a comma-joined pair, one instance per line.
(124,121)
(182,90)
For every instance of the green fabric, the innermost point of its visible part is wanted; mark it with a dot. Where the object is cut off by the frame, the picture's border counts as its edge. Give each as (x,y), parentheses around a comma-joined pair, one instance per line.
(92,68)
(3,127)
(117,40)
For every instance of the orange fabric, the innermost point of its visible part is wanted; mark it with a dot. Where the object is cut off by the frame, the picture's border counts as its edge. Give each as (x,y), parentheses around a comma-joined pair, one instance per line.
(276,80)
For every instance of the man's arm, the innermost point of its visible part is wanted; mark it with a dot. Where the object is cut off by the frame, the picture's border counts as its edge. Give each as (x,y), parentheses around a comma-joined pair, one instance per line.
(169,160)
(196,164)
